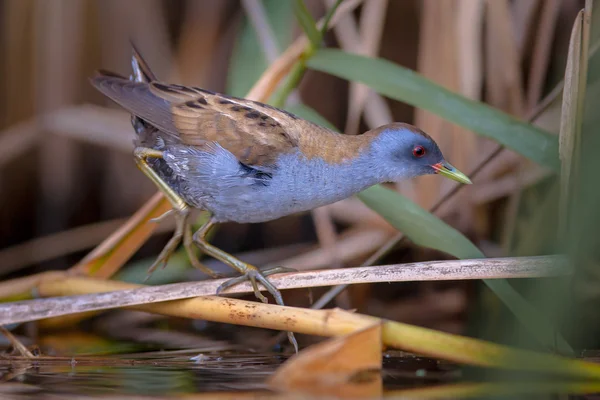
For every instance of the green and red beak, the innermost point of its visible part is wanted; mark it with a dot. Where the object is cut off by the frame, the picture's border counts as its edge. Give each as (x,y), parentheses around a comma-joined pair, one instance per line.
(445,169)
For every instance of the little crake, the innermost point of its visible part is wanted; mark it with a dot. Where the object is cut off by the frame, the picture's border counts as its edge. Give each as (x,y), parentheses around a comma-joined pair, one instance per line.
(246,161)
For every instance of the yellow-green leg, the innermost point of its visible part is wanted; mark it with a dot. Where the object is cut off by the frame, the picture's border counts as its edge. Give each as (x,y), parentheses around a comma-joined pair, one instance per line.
(249,272)
(181,211)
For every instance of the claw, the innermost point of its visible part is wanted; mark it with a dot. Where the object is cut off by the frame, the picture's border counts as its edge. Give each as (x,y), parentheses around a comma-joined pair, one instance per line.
(161,217)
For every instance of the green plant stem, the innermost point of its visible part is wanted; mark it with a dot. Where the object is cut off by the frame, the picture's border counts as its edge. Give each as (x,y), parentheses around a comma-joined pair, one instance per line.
(292,81)
(328,17)
(299,68)
(308,24)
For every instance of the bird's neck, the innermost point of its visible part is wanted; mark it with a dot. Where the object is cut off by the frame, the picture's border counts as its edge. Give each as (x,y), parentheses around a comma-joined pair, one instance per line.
(315,182)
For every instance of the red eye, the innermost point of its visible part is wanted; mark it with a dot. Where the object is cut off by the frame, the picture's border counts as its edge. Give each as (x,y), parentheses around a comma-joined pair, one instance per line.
(419,151)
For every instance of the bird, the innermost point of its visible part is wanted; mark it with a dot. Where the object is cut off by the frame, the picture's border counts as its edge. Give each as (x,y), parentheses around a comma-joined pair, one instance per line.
(249,162)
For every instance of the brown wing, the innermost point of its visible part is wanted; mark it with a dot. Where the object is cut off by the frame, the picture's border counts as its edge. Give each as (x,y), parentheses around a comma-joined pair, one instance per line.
(195,117)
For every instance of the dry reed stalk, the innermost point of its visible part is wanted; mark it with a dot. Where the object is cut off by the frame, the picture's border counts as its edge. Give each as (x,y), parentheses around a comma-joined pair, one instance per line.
(26,287)
(572,115)
(367,43)
(55,245)
(525,15)
(199,41)
(17,140)
(542,51)
(504,81)
(517,267)
(58,27)
(351,245)
(503,74)
(18,95)
(89,294)
(439,46)
(376,110)
(506,185)
(327,236)
(352,211)
(104,127)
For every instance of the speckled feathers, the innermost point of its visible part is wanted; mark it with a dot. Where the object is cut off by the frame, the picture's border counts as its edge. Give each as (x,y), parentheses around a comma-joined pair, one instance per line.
(256,133)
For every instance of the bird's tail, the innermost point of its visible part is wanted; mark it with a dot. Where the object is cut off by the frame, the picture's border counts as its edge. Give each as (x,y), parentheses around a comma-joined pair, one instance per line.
(141,70)
(141,73)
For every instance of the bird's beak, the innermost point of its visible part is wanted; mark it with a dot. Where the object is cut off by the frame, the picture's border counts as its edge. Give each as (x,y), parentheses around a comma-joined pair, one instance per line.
(445,169)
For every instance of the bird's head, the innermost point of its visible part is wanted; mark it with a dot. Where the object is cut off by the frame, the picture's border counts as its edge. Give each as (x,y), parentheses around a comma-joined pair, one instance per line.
(403,151)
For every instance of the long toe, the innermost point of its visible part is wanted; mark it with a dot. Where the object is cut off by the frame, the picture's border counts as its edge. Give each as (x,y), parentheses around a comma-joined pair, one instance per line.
(271,289)
(230,283)
(277,270)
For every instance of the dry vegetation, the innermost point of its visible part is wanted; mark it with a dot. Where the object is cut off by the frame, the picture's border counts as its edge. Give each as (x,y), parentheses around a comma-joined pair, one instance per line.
(74,209)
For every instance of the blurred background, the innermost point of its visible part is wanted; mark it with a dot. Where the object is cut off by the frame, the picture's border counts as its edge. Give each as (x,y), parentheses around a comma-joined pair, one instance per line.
(68,179)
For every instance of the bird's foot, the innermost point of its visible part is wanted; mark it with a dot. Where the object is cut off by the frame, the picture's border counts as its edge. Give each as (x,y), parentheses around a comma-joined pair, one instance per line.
(255,276)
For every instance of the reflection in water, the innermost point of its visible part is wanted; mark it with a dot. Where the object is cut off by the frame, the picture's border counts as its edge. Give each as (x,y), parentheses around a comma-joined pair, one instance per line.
(165,373)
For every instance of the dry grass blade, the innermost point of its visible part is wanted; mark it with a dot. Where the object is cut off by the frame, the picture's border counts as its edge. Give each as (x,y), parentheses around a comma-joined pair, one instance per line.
(17,140)
(327,236)
(20,347)
(59,244)
(92,124)
(572,110)
(506,185)
(51,246)
(112,253)
(524,267)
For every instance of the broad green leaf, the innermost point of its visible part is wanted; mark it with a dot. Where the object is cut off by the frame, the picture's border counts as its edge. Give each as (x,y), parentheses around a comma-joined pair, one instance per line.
(427,230)
(422,227)
(248,61)
(405,85)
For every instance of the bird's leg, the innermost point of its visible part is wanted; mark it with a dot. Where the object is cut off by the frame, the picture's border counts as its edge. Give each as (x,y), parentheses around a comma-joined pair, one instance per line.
(180,209)
(249,272)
